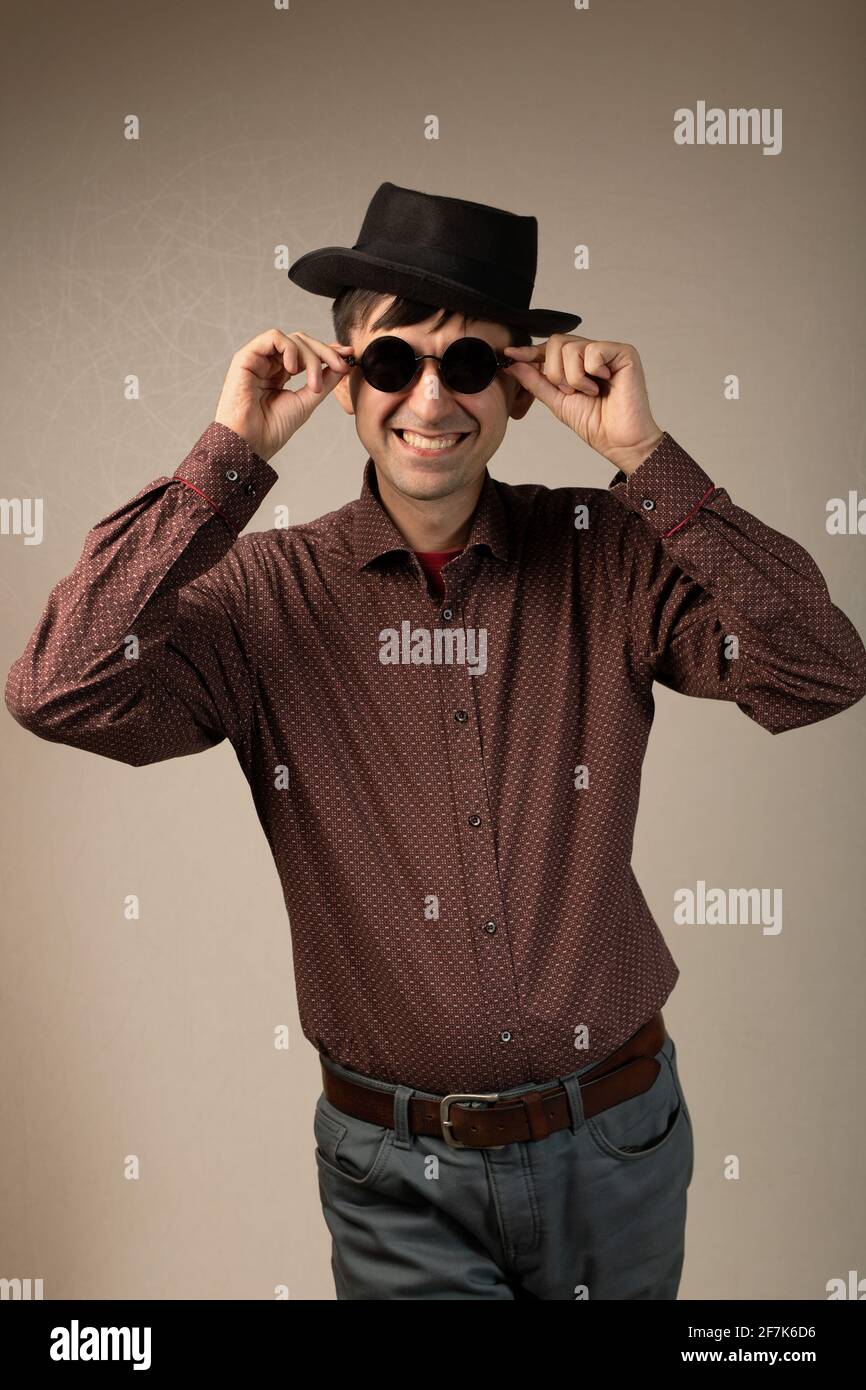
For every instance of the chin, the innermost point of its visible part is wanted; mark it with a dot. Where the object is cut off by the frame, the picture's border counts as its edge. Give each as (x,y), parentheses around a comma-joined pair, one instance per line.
(417,477)
(424,485)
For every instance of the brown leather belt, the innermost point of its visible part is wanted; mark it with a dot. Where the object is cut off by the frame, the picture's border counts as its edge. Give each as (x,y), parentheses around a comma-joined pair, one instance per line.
(533,1115)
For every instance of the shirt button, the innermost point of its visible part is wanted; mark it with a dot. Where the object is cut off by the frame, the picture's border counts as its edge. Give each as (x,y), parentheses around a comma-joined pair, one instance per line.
(505,1037)
(490,927)
(648,504)
(461,716)
(474,819)
(232,475)
(447,614)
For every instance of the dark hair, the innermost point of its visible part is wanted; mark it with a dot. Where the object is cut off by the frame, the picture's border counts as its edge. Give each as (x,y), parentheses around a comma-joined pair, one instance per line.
(352,306)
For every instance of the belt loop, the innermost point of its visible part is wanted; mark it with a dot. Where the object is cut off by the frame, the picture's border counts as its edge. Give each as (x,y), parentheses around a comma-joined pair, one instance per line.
(403,1138)
(575,1100)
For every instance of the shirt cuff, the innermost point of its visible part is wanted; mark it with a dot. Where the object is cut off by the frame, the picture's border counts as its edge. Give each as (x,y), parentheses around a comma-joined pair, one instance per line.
(222,468)
(668,489)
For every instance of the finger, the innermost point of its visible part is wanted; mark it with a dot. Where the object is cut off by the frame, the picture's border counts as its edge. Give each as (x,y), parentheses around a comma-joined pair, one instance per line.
(264,346)
(324,351)
(557,372)
(311,364)
(545,355)
(533,353)
(538,350)
(314,361)
(537,383)
(295,357)
(553,360)
(600,356)
(310,397)
(344,349)
(575,372)
(265,343)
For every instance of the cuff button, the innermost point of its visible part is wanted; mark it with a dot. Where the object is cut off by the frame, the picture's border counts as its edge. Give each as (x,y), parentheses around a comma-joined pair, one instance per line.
(648,504)
(232,475)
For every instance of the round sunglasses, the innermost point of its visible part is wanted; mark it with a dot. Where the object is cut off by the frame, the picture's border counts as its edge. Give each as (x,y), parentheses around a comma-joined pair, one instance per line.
(466,366)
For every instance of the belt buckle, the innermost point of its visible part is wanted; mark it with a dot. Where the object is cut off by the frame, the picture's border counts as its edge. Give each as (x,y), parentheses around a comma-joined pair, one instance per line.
(447,1123)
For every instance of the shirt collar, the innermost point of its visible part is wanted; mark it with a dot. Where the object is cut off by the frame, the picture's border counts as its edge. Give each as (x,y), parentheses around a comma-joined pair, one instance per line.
(375,533)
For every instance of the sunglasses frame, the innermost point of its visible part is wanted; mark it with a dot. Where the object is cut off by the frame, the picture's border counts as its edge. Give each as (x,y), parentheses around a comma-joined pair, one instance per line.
(420,357)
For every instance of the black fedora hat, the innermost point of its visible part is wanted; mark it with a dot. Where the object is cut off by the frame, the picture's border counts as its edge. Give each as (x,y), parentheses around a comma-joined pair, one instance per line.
(446,252)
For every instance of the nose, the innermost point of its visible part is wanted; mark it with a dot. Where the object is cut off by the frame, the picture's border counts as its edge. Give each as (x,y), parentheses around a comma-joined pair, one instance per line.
(430,400)
(428,372)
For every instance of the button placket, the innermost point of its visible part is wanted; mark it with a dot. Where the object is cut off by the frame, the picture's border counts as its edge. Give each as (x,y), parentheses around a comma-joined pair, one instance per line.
(498,986)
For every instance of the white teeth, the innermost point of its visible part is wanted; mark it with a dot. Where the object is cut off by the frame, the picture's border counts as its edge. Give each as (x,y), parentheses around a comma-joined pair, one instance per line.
(420,441)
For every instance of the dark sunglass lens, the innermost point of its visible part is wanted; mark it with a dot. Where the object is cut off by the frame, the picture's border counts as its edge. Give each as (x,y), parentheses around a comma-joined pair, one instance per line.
(468,365)
(388,363)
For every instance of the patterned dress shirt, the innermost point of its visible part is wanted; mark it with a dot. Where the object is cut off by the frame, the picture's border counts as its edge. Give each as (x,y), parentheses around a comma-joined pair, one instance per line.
(448,787)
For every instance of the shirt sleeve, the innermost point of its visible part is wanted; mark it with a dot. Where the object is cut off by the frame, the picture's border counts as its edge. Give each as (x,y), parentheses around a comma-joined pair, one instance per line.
(698,571)
(141,653)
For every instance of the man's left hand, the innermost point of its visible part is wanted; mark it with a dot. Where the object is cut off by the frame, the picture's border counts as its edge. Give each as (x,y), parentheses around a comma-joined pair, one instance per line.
(597,389)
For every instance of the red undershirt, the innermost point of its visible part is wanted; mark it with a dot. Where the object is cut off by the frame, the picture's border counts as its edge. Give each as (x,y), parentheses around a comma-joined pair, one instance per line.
(432,562)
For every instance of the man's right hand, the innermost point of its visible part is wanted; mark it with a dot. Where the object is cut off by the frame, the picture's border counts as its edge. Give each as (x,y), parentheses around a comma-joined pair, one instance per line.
(253,402)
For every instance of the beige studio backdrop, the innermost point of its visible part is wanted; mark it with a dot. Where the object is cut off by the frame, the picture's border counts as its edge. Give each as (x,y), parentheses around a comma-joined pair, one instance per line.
(263,132)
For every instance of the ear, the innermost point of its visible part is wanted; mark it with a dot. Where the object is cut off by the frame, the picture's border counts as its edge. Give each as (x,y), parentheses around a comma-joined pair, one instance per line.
(343,392)
(520,403)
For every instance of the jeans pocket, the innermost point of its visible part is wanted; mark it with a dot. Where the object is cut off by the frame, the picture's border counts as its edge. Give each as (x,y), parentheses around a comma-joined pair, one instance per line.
(635,1128)
(352,1148)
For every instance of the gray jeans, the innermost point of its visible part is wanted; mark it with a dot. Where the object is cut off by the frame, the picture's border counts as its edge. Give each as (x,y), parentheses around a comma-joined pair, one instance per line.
(595,1211)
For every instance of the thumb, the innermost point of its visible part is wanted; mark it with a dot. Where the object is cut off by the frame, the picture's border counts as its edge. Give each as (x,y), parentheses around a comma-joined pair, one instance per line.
(536,382)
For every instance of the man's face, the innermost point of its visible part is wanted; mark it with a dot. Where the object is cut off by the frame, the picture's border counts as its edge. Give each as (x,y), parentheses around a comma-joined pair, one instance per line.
(428,408)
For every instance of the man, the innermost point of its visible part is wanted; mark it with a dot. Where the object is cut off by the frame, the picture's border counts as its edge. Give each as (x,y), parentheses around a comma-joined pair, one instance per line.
(441,695)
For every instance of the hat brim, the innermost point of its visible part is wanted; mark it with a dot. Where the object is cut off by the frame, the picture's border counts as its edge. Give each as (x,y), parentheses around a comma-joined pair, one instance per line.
(334,268)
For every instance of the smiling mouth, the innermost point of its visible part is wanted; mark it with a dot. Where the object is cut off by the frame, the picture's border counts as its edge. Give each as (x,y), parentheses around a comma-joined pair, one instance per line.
(422,444)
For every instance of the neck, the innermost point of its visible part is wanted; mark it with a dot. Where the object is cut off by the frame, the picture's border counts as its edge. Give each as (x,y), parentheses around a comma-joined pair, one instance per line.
(440,523)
